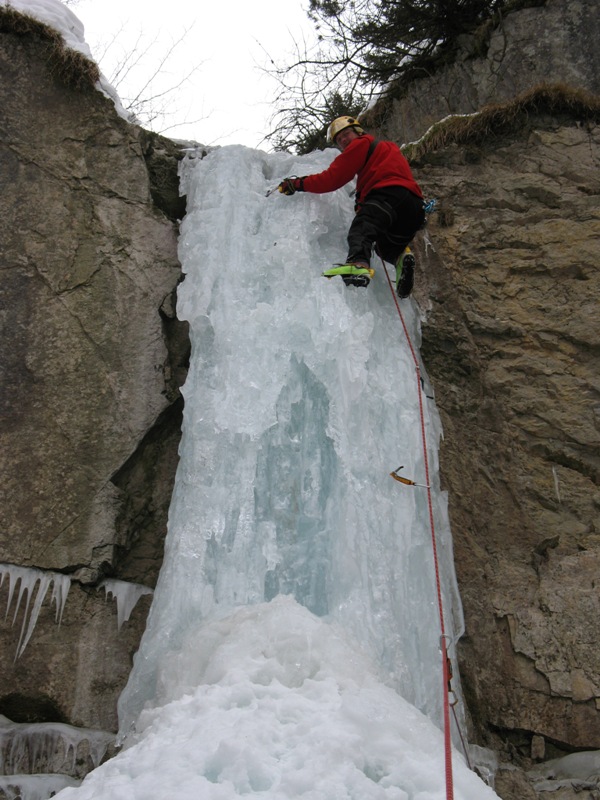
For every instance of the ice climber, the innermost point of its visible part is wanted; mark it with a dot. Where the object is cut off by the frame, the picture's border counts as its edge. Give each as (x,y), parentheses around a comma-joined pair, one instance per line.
(389,203)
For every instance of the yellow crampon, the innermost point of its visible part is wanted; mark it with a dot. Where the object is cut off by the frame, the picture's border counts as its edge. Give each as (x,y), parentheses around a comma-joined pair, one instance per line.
(349,269)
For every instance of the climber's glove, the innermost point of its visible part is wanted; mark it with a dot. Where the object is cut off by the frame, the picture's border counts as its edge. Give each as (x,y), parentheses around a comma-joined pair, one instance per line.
(291,185)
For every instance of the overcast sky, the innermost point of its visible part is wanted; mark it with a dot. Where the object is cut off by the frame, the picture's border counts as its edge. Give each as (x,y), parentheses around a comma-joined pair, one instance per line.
(227,100)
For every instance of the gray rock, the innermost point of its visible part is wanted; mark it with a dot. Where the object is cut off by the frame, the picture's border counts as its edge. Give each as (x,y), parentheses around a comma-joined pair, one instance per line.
(552,42)
(90,366)
(510,339)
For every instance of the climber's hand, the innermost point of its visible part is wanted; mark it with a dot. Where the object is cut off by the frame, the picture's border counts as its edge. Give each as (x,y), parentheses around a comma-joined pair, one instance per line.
(291,185)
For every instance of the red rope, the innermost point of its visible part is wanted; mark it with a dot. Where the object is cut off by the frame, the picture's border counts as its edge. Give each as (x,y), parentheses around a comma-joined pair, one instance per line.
(443,637)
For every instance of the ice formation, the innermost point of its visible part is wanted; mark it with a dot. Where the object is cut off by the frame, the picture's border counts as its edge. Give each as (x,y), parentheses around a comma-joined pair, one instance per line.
(49,746)
(576,769)
(33,582)
(28,578)
(33,787)
(300,401)
(292,647)
(126,594)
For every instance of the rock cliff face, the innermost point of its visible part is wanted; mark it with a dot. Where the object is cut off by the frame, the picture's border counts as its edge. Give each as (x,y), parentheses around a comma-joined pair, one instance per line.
(553,42)
(508,283)
(91,361)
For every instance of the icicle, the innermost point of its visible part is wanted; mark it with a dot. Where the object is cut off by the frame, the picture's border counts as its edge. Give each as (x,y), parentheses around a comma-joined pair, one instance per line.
(34,787)
(49,746)
(44,582)
(60,591)
(556,487)
(126,594)
(28,578)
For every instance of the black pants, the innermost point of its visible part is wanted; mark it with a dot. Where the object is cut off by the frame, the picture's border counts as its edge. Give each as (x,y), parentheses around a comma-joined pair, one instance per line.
(387,218)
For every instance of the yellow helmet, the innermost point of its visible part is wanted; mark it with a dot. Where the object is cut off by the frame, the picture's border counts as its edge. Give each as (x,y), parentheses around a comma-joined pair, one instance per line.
(340,124)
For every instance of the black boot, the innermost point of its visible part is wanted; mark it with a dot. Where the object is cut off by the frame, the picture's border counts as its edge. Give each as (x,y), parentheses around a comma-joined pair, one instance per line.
(405,273)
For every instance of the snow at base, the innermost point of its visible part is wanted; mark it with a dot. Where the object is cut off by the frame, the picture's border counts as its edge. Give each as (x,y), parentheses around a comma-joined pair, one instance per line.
(292,647)
(285,708)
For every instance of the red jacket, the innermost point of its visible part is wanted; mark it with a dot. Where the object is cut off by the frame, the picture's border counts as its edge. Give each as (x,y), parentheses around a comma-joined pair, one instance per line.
(385,167)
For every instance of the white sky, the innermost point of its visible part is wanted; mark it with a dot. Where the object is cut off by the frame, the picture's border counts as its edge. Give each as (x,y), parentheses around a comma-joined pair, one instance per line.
(228,100)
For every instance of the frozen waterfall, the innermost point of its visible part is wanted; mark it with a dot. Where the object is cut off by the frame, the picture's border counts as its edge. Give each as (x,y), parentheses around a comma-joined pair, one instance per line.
(292,648)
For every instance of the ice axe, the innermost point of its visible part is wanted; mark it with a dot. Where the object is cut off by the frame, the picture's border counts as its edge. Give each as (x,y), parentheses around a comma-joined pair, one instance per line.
(405,481)
(274,189)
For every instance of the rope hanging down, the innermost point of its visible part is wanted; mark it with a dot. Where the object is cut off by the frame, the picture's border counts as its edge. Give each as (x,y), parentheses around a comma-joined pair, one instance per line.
(443,636)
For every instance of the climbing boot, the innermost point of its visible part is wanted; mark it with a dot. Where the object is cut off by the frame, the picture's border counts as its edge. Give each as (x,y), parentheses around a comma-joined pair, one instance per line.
(405,273)
(358,274)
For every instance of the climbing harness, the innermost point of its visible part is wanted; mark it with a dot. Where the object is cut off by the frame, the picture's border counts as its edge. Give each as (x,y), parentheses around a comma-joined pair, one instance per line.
(446,670)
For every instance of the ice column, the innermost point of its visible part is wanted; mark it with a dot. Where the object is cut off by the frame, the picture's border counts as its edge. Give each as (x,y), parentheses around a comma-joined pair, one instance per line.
(301,398)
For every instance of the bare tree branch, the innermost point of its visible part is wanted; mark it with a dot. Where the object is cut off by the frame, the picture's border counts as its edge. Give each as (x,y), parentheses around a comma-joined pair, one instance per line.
(362,46)
(139,75)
